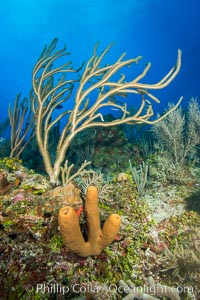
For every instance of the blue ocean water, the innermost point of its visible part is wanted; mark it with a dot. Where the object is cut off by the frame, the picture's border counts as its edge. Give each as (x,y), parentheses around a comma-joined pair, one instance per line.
(154,29)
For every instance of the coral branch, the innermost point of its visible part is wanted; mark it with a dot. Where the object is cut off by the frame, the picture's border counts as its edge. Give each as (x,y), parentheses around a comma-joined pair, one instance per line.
(22,125)
(50,94)
(149,292)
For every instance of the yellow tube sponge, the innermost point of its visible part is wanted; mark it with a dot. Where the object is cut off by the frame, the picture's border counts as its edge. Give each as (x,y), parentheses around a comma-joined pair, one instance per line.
(97,239)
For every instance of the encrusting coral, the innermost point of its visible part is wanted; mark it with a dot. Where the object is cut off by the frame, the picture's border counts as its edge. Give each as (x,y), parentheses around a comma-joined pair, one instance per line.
(150,292)
(4,184)
(66,195)
(97,239)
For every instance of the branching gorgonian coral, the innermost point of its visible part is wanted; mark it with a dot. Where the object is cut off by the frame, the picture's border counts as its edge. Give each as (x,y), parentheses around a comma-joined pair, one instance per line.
(95,89)
(178,136)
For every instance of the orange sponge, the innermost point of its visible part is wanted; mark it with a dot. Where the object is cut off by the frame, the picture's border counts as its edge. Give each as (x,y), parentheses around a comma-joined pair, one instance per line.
(97,239)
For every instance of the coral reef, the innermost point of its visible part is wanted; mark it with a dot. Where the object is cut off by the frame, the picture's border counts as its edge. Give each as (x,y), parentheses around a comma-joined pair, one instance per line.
(158,237)
(32,250)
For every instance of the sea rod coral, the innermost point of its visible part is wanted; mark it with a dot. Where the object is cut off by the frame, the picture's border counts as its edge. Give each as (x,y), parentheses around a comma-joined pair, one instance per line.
(93,90)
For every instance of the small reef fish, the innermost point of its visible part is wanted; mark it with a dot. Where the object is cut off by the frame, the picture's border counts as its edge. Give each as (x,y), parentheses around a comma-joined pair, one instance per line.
(59,106)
